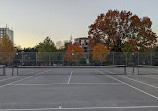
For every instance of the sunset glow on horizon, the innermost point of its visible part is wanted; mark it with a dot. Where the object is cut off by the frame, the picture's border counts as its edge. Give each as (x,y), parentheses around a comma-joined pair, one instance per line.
(34,20)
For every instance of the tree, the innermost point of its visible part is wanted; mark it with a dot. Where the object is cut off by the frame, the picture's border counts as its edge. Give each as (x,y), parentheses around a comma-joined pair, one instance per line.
(74,53)
(100,53)
(129,46)
(60,46)
(67,43)
(47,46)
(29,49)
(18,48)
(115,29)
(7,50)
(44,49)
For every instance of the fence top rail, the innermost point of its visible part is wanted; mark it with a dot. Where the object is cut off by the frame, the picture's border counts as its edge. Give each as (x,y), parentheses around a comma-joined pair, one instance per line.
(78,52)
(111,66)
(147,66)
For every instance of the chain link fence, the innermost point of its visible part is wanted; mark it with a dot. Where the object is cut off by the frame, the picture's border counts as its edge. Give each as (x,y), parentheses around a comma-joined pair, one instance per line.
(78,59)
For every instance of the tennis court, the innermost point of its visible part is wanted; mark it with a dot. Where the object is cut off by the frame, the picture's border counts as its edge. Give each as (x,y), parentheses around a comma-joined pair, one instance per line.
(78,89)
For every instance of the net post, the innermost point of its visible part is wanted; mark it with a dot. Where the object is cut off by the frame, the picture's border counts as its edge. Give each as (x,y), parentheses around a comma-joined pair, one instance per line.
(133,70)
(12,71)
(138,69)
(125,70)
(17,71)
(4,71)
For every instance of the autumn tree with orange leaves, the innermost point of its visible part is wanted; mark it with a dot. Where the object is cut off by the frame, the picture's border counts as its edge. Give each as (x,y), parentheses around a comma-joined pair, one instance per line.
(74,53)
(7,50)
(100,53)
(117,29)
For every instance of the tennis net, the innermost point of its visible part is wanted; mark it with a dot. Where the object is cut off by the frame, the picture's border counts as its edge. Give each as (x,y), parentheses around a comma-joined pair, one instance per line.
(2,70)
(147,70)
(66,70)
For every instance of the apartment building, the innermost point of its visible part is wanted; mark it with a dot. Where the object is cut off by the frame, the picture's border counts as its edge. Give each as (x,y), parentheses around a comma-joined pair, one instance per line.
(83,42)
(7,31)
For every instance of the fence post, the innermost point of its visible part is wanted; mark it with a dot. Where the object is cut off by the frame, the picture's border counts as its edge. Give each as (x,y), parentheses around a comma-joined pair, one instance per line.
(101,58)
(76,58)
(9,58)
(22,58)
(138,58)
(49,58)
(36,58)
(62,58)
(88,59)
(113,58)
(126,59)
(151,59)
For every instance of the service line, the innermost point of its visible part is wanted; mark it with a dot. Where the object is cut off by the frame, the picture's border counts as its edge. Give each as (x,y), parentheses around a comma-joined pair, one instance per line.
(69,78)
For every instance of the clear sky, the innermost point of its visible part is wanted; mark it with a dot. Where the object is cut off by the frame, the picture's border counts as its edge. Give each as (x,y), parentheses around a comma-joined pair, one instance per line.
(34,20)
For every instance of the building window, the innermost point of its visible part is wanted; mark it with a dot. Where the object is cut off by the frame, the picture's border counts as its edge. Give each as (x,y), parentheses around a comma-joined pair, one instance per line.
(82,41)
(85,49)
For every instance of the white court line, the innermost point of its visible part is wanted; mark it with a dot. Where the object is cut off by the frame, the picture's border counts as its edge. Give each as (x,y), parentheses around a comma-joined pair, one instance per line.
(96,83)
(66,84)
(60,107)
(130,85)
(140,82)
(16,76)
(150,77)
(69,78)
(38,84)
(82,108)
(22,79)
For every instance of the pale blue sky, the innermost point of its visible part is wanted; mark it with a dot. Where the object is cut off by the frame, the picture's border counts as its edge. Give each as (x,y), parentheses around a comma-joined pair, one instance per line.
(34,20)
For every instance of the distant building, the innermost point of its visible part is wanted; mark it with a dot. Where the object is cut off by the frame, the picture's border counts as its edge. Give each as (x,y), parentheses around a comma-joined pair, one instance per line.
(83,42)
(7,31)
